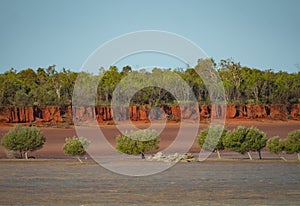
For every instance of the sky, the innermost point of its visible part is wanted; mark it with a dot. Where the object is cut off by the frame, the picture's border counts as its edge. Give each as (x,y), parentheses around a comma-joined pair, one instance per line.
(261,34)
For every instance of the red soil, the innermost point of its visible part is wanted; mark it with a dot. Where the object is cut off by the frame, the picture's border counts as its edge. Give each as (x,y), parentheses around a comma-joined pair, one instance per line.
(56,136)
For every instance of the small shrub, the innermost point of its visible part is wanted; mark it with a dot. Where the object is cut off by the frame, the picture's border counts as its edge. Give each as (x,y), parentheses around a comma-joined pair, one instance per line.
(76,146)
(235,138)
(292,143)
(23,139)
(214,142)
(138,142)
(275,145)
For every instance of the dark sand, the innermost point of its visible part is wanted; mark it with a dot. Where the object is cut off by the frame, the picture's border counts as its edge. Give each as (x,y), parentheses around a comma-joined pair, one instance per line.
(67,182)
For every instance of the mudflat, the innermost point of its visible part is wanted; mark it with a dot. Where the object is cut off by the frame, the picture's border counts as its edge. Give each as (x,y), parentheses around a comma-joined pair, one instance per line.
(67,182)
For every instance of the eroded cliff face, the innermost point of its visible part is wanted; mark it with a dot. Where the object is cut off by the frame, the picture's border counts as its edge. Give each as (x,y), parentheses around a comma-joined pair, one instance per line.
(56,115)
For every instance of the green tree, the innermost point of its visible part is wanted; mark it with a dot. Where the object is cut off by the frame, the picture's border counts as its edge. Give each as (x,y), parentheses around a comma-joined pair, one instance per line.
(29,82)
(23,139)
(108,83)
(255,141)
(253,84)
(214,142)
(243,85)
(234,139)
(232,78)
(267,93)
(292,143)
(67,80)
(283,85)
(76,146)
(244,140)
(126,70)
(10,85)
(195,82)
(22,98)
(138,142)
(275,145)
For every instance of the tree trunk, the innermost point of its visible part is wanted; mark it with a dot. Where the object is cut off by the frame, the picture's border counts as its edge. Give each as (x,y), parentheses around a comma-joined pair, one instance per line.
(259,154)
(79,160)
(106,97)
(219,155)
(143,156)
(250,157)
(58,94)
(282,158)
(26,155)
(298,154)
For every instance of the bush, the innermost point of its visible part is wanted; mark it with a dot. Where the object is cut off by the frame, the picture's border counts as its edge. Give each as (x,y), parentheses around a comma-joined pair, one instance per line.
(235,139)
(292,143)
(275,145)
(138,142)
(255,141)
(76,146)
(244,139)
(23,139)
(214,142)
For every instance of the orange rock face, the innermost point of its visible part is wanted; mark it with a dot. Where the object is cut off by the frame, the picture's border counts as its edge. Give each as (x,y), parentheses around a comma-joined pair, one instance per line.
(143,113)
(175,112)
(217,111)
(4,115)
(295,111)
(133,113)
(256,111)
(55,114)
(278,111)
(204,112)
(231,111)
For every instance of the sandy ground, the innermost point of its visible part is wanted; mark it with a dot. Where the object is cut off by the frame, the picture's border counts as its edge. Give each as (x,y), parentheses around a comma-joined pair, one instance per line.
(56,136)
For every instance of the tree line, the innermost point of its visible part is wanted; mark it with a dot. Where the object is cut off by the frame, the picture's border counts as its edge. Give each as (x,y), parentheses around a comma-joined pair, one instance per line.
(246,140)
(242,139)
(243,85)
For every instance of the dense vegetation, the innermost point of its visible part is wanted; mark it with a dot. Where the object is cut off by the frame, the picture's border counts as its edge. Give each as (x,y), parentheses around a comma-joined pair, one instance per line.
(246,140)
(215,140)
(48,86)
(138,142)
(23,139)
(76,146)
(290,145)
(243,139)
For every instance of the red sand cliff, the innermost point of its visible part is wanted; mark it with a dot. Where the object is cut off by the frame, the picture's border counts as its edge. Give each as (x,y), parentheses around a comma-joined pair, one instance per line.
(55,114)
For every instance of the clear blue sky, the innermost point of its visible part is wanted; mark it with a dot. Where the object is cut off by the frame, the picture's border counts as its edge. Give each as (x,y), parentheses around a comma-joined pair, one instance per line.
(259,33)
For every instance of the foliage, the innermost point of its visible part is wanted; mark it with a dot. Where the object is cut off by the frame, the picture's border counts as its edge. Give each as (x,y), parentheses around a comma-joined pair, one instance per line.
(23,139)
(292,142)
(48,86)
(214,142)
(234,139)
(275,145)
(255,140)
(138,142)
(75,146)
(244,139)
